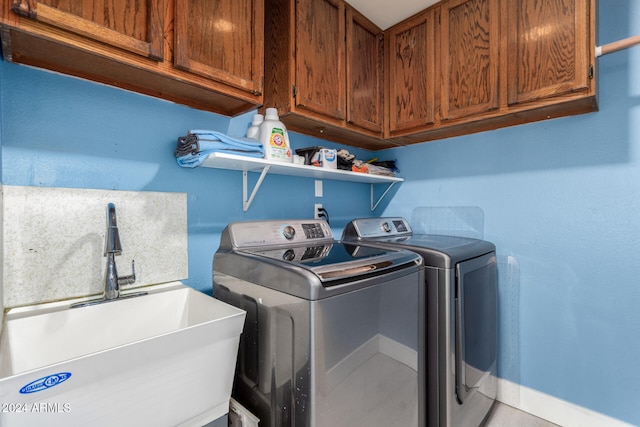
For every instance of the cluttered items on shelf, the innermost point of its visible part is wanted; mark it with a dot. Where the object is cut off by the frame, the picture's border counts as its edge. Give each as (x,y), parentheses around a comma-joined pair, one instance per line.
(195,147)
(346,161)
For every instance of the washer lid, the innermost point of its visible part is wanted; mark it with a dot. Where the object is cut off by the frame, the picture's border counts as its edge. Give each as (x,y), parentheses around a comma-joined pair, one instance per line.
(334,263)
(300,258)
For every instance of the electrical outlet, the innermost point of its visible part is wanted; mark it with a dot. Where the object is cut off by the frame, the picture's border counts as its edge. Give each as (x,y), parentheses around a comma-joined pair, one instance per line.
(316,210)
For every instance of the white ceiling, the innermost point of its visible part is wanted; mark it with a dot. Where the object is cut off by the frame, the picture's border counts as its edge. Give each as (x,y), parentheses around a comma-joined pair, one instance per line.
(385,13)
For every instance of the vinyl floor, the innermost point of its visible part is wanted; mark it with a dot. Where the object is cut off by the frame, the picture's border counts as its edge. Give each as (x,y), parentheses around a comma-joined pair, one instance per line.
(507,416)
(391,391)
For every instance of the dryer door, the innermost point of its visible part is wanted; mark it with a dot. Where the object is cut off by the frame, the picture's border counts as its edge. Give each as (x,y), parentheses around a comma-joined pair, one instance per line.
(476,314)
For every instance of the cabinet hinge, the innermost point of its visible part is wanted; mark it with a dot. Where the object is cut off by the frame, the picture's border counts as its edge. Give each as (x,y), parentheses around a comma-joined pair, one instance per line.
(590,72)
(294,91)
(23,8)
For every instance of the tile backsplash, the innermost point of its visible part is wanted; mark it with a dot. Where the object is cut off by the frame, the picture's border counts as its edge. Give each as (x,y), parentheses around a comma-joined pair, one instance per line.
(54,239)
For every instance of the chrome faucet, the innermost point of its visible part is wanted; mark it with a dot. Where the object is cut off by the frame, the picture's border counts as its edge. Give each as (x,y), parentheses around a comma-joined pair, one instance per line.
(112,248)
(112,282)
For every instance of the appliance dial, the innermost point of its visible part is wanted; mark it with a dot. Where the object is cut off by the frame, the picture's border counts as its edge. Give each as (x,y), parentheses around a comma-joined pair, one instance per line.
(289,232)
(289,255)
(386,227)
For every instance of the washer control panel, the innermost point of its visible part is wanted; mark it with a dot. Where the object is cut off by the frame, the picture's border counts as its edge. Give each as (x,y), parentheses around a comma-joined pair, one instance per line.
(273,233)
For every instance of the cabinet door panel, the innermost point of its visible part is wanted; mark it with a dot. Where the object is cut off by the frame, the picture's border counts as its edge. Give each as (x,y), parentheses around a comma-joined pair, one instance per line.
(221,40)
(320,57)
(411,73)
(133,26)
(470,41)
(547,48)
(364,72)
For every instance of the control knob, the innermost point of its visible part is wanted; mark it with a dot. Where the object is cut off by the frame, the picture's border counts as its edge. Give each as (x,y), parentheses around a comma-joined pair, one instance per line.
(289,255)
(289,232)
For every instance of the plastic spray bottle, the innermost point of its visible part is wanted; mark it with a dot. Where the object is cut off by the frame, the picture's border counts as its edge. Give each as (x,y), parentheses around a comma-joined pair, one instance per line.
(254,130)
(274,137)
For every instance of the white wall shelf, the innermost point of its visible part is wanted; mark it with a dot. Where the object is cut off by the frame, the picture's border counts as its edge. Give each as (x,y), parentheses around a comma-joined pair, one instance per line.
(263,167)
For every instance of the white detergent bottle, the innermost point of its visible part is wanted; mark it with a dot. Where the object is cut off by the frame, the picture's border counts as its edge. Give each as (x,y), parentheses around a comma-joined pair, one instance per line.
(274,138)
(254,130)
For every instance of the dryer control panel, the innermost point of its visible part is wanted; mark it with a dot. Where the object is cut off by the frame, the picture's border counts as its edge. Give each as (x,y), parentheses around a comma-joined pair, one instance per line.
(379,227)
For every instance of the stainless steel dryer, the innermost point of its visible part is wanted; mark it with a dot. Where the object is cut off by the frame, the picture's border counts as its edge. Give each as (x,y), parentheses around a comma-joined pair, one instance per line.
(334,333)
(461,283)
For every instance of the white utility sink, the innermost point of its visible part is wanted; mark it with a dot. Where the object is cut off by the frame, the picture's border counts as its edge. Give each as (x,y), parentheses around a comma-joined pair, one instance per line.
(163,359)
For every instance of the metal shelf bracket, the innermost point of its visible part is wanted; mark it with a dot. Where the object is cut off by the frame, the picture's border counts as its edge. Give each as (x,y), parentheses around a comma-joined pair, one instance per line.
(374,206)
(246,203)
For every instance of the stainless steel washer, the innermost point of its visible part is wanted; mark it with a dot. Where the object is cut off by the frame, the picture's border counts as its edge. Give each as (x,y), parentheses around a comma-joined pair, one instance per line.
(461,283)
(334,333)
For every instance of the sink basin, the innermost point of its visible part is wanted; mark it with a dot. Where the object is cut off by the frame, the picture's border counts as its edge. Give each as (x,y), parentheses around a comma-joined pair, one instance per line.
(163,359)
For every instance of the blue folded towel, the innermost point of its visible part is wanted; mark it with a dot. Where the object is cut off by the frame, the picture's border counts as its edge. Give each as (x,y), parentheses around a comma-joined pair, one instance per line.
(195,147)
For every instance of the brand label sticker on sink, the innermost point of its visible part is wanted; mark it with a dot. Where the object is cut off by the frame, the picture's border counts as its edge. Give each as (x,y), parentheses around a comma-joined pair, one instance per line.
(45,382)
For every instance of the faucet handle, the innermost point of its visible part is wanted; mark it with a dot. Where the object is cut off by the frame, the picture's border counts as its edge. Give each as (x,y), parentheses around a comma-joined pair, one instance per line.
(127,280)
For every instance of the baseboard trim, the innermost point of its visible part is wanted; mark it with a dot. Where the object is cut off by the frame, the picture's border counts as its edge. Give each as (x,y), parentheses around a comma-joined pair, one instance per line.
(551,408)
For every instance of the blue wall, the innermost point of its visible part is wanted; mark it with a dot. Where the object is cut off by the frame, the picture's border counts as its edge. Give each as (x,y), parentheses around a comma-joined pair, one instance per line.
(561,201)
(59,131)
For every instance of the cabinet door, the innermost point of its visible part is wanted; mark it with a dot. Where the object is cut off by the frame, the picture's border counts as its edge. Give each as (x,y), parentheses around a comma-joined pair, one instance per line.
(547,48)
(133,26)
(470,57)
(364,72)
(222,40)
(411,78)
(320,57)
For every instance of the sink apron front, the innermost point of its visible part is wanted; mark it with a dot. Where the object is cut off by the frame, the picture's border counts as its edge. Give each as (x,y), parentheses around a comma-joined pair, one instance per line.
(181,375)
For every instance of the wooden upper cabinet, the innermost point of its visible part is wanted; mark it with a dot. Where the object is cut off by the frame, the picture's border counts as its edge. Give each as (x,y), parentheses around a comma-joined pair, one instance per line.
(133,26)
(365,85)
(324,71)
(458,67)
(221,40)
(207,54)
(548,48)
(320,57)
(470,56)
(410,54)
